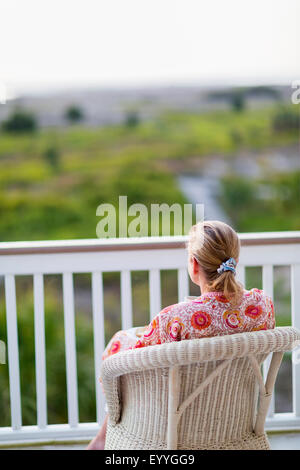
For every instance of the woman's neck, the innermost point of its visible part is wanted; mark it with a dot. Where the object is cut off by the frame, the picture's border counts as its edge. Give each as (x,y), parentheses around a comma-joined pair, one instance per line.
(203,287)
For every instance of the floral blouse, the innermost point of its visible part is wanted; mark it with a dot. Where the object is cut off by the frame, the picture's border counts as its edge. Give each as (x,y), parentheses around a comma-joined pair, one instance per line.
(208,315)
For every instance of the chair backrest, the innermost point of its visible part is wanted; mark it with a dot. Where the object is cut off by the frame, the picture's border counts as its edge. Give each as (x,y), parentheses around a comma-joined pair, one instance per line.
(195,393)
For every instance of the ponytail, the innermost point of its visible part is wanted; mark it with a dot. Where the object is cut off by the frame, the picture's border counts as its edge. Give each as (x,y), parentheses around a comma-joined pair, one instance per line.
(216,247)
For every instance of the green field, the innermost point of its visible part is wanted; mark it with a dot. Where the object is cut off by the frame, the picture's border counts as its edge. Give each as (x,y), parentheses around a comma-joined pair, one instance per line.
(52,181)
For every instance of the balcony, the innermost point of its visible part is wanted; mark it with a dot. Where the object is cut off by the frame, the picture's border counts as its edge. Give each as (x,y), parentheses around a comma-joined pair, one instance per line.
(95,257)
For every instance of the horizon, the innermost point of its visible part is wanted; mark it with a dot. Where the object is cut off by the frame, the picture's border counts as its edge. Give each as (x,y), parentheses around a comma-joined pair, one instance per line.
(132,44)
(44,90)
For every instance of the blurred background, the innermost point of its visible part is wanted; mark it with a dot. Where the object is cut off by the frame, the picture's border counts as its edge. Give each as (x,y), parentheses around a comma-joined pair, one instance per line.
(162,101)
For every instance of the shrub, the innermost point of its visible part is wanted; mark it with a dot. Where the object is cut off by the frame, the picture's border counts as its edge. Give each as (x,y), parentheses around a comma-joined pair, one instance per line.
(238,101)
(132,119)
(20,122)
(74,114)
(286,119)
(52,157)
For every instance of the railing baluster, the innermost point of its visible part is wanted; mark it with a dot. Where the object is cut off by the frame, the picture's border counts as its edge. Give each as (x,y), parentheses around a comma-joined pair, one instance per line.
(155,292)
(99,338)
(40,355)
(267,275)
(183,284)
(126,300)
(268,287)
(295,292)
(69,317)
(241,274)
(13,352)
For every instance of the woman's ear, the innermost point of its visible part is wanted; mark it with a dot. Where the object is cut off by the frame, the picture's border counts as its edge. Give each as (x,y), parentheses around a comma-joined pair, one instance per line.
(195,266)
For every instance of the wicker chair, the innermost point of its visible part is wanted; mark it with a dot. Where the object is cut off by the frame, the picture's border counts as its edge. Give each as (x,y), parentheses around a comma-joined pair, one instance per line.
(194,394)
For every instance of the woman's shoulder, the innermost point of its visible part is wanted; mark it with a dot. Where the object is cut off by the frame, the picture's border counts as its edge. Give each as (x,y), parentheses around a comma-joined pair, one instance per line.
(191,304)
(212,300)
(259,308)
(256,295)
(174,309)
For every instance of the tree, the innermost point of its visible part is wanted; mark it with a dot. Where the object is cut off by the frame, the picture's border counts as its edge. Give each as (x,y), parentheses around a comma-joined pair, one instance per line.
(238,101)
(20,122)
(132,119)
(74,114)
(52,156)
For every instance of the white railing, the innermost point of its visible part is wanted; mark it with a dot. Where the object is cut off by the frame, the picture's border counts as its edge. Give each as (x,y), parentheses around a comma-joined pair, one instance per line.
(123,255)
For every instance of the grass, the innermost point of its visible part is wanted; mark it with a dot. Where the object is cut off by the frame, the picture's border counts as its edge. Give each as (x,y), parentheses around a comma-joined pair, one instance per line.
(249,211)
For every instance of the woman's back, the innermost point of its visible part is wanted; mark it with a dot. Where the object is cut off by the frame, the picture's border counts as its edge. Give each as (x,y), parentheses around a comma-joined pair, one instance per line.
(211,314)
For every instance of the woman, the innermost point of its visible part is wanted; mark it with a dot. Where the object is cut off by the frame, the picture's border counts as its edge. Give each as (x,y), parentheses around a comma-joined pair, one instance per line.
(224,306)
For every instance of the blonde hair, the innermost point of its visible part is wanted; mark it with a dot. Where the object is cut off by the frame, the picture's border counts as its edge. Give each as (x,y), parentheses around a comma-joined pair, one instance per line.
(211,243)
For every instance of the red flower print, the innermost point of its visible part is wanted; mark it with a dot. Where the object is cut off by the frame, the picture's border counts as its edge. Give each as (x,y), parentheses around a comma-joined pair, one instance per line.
(253,311)
(115,347)
(150,330)
(222,298)
(232,318)
(260,327)
(174,328)
(139,344)
(200,320)
(202,299)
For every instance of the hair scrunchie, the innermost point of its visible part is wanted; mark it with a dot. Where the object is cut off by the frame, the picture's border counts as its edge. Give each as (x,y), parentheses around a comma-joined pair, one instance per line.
(228,265)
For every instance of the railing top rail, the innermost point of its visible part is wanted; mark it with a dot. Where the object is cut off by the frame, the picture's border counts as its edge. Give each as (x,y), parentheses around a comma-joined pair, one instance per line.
(142,243)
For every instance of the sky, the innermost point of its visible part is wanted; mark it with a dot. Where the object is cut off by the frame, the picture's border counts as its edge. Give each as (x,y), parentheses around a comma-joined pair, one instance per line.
(51,44)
